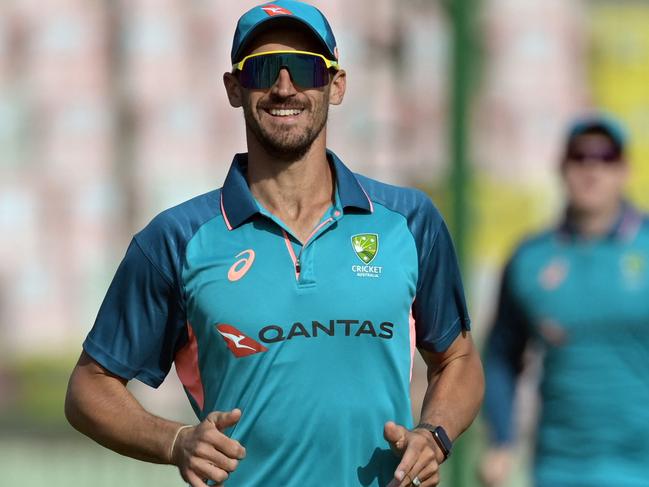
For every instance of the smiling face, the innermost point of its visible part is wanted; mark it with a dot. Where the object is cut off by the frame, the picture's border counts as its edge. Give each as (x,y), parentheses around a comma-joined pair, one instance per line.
(594,174)
(285,120)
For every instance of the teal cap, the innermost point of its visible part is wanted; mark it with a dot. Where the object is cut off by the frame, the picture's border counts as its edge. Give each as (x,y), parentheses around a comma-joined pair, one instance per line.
(601,122)
(264,14)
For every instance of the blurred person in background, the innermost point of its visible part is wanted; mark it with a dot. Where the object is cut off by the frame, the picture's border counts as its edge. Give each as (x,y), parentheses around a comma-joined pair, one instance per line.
(579,294)
(291,301)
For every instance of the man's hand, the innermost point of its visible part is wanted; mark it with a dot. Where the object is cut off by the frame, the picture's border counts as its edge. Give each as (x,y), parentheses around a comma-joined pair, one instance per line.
(204,453)
(420,456)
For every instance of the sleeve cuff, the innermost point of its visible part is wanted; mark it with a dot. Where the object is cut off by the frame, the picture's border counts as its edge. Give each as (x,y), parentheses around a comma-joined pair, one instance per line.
(445,341)
(118,368)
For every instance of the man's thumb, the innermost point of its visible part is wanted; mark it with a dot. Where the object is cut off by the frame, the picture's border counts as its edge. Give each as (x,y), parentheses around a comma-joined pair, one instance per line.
(224,419)
(394,434)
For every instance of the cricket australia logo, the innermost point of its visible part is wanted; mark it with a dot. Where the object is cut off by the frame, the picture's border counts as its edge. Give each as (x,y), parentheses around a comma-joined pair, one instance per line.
(366,247)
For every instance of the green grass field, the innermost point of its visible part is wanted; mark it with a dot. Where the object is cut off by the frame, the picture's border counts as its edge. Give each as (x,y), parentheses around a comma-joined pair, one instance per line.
(73,463)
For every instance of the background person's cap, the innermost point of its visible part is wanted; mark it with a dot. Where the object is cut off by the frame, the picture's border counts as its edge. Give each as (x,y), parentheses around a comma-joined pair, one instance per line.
(308,15)
(598,122)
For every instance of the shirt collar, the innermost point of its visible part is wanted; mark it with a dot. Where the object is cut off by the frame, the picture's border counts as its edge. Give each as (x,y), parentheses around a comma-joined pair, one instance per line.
(238,204)
(625,228)
(351,192)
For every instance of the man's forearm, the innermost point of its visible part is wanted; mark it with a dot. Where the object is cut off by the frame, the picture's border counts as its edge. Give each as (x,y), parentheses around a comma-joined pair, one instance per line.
(455,388)
(100,406)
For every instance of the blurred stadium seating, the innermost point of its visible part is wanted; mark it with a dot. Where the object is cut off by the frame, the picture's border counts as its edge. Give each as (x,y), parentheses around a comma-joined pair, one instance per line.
(112,111)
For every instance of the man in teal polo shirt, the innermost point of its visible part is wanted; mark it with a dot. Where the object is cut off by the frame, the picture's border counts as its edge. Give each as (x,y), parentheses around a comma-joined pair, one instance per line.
(578,293)
(291,301)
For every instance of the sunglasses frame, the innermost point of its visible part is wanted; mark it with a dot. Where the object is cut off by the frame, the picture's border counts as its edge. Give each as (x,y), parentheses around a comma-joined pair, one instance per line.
(328,62)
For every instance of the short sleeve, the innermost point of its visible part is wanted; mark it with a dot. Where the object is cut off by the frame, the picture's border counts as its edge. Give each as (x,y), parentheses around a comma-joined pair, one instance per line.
(140,324)
(510,332)
(506,343)
(439,309)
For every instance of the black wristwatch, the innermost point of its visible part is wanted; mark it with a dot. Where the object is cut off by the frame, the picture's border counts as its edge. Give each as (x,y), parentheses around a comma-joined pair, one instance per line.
(439,435)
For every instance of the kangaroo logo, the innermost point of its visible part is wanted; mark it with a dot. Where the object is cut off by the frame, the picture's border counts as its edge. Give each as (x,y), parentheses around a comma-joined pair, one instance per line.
(239,344)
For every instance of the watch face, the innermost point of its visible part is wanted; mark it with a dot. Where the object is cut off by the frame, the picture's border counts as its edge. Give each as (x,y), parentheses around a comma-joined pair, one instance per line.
(445,442)
(439,435)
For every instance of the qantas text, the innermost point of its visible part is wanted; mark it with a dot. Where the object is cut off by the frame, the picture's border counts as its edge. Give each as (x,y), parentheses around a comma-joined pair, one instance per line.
(356,328)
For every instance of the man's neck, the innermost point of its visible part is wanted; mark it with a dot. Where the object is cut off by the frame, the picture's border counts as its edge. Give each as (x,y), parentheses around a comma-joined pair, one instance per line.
(298,192)
(596,223)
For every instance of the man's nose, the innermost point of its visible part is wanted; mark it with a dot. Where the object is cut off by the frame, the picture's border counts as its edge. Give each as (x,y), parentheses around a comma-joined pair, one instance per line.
(284,86)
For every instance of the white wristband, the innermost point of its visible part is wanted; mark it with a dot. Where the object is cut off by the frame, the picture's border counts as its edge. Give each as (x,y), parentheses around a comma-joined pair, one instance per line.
(173,443)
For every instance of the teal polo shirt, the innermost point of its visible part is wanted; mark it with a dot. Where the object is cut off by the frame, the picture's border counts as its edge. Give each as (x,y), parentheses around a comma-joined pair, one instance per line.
(583,304)
(313,342)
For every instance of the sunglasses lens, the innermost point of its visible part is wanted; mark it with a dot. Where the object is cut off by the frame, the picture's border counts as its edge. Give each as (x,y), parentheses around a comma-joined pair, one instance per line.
(260,72)
(608,157)
(257,72)
(308,71)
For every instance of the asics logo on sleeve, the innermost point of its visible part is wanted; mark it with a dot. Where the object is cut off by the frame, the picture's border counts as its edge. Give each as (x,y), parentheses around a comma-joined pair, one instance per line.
(238,343)
(242,266)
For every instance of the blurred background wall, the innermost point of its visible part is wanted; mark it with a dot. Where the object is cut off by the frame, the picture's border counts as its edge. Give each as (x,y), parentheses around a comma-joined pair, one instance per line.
(111,111)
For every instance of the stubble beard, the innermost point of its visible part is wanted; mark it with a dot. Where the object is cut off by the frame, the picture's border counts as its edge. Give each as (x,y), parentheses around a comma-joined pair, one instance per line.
(287,143)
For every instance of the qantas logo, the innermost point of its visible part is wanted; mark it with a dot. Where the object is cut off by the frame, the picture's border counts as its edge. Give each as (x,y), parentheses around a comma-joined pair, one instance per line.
(275,10)
(242,345)
(238,343)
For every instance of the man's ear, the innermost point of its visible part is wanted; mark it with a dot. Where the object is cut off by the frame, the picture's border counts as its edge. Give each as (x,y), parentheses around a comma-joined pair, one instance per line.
(338,87)
(233,89)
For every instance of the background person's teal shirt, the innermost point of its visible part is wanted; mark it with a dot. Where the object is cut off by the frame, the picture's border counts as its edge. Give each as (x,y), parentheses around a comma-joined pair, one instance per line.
(585,303)
(314,344)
